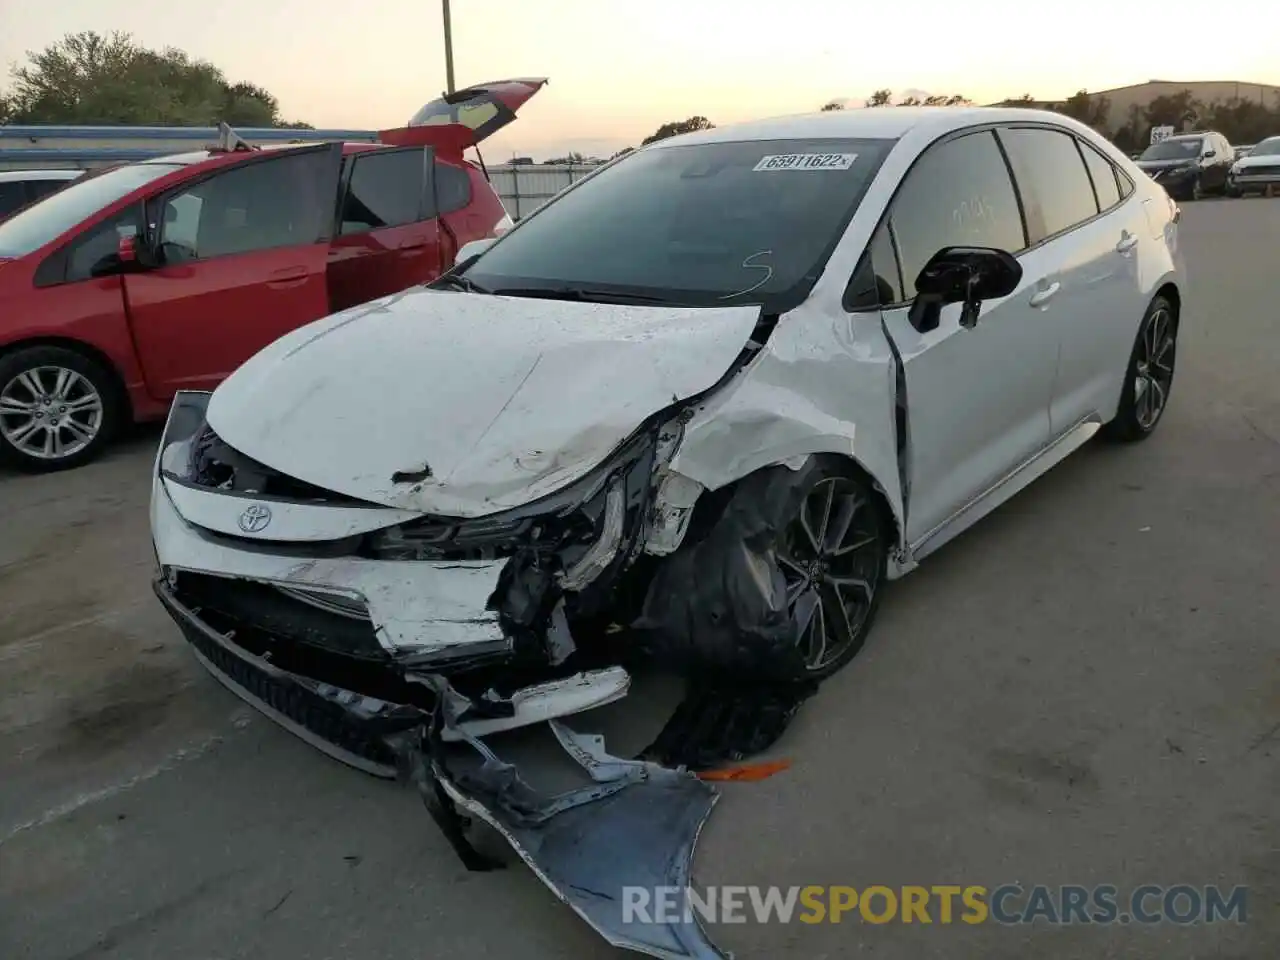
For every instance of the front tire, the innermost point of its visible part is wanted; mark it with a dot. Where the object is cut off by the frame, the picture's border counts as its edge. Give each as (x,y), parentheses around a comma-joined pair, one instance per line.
(778,580)
(58,409)
(1148,379)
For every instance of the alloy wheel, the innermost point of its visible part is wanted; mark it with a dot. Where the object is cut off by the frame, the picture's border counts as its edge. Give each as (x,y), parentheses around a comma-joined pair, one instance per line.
(1153,373)
(50,412)
(830,558)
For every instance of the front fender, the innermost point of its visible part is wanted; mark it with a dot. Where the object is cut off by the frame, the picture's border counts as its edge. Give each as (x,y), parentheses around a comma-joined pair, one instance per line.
(823,384)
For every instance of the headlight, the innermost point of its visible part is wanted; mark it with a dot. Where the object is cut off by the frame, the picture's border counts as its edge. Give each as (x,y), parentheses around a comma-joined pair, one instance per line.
(584,525)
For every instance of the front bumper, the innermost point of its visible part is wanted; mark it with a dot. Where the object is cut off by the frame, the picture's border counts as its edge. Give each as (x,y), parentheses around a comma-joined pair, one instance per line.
(332,644)
(1247,181)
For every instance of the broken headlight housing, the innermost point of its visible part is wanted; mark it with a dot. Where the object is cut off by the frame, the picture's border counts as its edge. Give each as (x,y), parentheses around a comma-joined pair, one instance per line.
(578,532)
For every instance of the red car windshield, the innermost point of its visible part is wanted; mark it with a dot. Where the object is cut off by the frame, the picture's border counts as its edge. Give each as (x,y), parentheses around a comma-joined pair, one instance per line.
(44,221)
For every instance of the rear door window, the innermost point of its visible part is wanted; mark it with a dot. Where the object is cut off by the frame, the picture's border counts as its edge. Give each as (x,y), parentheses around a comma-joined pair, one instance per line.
(1103,174)
(959,193)
(386,189)
(1052,177)
(453,187)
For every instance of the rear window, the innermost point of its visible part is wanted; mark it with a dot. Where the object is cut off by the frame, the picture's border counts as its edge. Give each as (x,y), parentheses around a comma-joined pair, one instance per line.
(55,214)
(710,223)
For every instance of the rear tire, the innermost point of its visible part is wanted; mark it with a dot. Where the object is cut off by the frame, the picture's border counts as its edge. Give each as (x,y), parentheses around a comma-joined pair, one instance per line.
(1148,378)
(58,409)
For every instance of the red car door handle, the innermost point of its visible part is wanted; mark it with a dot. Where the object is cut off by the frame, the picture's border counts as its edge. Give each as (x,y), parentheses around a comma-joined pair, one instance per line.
(413,245)
(288,275)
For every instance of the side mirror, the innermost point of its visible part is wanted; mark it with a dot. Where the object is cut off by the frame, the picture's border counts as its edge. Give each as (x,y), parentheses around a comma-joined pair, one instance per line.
(967,275)
(133,253)
(474,248)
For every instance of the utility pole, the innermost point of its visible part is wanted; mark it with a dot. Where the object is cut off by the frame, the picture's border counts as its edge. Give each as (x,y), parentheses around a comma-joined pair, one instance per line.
(448,48)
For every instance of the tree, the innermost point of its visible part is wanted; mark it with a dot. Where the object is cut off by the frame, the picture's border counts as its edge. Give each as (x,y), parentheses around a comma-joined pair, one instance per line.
(89,78)
(575,158)
(1243,121)
(884,98)
(1091,109)
(1177,110)
(674,128)
(1026,100)
(833,105)
(622,153)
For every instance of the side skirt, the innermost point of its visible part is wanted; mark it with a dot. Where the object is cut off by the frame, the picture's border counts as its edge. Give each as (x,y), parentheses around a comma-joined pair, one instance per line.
(1004,489)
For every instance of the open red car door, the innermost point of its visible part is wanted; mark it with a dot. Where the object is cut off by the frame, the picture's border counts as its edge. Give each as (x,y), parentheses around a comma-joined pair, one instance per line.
(460,120)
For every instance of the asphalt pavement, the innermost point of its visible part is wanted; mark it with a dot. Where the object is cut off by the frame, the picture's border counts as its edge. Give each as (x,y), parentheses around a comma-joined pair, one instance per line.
(1083,689)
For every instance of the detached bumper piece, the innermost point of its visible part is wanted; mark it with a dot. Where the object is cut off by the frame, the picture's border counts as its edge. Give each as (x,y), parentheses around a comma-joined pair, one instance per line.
(635,825)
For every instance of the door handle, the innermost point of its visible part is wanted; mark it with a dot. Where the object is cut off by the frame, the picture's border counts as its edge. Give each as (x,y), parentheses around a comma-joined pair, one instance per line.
(1041,297)
(411,245)
(288,275)
(1127,242)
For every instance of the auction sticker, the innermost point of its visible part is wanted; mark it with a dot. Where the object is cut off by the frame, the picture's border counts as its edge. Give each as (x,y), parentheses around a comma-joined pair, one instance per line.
(806,161)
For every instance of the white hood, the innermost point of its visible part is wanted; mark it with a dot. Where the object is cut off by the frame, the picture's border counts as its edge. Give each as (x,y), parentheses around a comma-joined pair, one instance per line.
(1256,160)
(503,399)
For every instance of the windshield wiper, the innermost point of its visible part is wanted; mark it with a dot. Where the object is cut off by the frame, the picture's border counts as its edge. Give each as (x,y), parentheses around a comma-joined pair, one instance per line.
(584,294)
(458,282)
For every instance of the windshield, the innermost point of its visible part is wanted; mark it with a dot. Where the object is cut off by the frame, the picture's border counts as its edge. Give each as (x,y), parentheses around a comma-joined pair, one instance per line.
(1173,150)
(1267,148)
(704,224)
(49,218)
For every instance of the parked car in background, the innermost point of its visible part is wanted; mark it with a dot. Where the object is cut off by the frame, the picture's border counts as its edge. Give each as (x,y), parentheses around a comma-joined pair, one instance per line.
(1245,150)
(165,275)
(1258,172)
(21,187)
(712,396)
(1189,165)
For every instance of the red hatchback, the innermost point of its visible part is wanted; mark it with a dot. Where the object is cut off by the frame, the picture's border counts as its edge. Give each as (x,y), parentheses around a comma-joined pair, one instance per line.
(146,279)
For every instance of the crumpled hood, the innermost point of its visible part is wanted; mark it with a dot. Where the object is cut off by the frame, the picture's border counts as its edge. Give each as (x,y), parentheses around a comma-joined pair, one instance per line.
(500,400)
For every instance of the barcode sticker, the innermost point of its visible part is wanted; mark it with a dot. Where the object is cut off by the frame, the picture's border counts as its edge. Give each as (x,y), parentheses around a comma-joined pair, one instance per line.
(806,161)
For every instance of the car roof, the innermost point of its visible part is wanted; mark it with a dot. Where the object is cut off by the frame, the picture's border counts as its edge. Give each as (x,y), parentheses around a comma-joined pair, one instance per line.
(870,123)
(203,156)
(7,176)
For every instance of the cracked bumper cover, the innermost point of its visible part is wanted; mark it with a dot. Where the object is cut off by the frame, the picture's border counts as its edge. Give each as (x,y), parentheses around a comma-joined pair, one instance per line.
(329,643)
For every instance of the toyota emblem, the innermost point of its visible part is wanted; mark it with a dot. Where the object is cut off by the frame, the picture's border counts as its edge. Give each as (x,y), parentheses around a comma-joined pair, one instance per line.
(255,519)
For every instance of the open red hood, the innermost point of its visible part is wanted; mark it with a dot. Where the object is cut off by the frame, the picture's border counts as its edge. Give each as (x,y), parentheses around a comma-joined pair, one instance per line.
(460,120)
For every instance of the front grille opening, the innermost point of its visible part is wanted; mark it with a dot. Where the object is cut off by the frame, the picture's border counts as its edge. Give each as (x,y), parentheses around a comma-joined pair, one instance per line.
(219,466)
(273,611)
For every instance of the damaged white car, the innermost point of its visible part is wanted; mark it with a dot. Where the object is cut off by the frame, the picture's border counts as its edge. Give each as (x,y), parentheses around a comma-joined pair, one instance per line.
(703,405)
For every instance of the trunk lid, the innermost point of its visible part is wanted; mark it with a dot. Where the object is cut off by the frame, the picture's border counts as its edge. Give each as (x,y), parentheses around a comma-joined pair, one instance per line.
(487,402)
(463,119)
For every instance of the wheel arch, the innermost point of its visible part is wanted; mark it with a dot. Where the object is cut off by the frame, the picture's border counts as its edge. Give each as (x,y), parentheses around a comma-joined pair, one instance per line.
(717,488)
(85,350)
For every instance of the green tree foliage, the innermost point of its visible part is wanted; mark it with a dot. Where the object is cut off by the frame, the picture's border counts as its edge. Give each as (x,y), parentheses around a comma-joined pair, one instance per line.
(91,78)
(884,98)
(1093,110)
(674,128)
(833,105)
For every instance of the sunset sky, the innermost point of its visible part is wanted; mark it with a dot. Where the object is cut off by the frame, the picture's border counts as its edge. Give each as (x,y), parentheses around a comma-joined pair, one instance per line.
(619,69)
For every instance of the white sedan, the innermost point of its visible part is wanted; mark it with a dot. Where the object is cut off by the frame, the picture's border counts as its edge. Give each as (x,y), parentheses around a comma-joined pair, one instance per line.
(709,400)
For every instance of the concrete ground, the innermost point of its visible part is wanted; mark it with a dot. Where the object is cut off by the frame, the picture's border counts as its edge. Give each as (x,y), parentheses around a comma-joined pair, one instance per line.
(1084,689)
